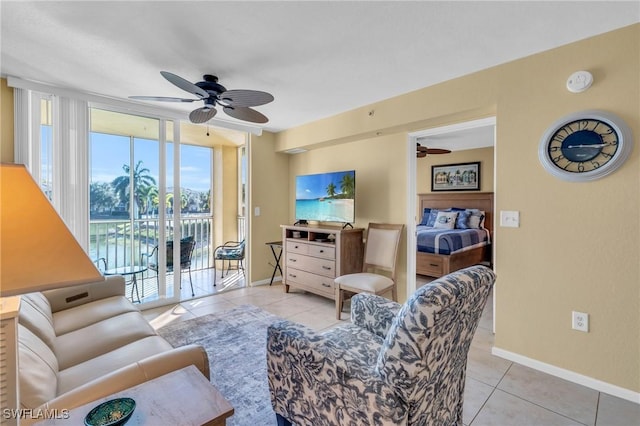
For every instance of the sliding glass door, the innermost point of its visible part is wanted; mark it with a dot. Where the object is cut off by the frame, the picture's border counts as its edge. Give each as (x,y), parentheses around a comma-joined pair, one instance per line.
(124,189)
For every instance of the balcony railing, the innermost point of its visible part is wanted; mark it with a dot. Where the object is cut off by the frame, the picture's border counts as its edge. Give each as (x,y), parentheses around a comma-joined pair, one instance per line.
(122,242)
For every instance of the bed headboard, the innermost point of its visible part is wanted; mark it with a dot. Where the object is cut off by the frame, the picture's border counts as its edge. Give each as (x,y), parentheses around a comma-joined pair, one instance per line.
(466,200)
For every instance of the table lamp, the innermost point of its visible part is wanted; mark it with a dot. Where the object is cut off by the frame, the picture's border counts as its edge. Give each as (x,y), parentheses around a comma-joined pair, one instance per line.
(37,252)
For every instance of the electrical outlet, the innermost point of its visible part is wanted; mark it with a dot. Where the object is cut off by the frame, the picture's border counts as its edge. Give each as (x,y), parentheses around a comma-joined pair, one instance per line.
(580,321)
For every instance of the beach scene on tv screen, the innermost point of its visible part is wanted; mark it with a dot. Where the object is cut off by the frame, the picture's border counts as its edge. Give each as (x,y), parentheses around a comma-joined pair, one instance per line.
(326,197)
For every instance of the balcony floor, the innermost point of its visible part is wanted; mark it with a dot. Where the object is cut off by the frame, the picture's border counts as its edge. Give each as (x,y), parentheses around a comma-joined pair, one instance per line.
(202,284)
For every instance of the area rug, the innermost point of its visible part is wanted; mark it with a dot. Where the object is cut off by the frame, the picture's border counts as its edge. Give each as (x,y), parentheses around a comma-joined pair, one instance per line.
(236,342)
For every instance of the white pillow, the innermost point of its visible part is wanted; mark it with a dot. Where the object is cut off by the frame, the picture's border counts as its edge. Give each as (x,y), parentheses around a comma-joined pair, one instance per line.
(446,220)
(476,220)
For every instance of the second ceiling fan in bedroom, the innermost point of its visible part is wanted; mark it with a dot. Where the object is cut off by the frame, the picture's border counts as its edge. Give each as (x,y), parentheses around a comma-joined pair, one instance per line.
(423,151)
(235,103)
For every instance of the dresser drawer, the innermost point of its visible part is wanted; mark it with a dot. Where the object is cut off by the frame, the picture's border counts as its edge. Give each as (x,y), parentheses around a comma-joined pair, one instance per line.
(326,252)
(429,265)
(326,267)
(297,247)
(312,282)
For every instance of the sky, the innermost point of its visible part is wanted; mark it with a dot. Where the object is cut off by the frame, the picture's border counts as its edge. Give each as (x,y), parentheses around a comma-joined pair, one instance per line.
(109,153)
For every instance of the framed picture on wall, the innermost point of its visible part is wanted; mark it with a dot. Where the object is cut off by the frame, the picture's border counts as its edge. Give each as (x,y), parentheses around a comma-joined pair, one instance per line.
(456,177)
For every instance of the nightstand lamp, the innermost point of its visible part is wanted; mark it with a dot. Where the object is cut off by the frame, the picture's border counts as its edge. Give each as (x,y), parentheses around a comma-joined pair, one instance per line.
(37,252)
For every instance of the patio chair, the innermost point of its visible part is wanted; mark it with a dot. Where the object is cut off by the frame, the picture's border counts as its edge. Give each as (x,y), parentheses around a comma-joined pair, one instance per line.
(231,250)
(187,246)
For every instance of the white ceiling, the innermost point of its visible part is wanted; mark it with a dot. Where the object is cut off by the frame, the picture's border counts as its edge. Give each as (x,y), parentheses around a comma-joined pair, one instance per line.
(317,58)
(460,140)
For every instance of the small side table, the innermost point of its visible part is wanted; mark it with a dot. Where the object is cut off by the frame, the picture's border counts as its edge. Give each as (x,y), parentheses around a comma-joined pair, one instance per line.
(183,397)
(274,245)
(129,270)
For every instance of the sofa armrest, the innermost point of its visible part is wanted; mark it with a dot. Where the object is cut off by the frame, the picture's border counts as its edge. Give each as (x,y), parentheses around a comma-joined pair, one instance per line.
(132,375)
(373,313)
(65,298)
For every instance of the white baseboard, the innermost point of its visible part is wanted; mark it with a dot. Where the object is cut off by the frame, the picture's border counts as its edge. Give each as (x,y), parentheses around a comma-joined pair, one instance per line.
(266,281)
(571,376)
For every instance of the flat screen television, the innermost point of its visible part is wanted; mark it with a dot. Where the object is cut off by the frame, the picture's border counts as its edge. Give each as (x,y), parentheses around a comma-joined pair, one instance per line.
(326,197)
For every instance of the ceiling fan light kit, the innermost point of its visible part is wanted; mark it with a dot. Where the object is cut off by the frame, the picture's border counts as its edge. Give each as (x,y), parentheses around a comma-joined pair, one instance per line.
(235,103)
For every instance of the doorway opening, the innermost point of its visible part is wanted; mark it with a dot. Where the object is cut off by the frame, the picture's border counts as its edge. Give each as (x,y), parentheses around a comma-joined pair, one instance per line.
(469,142)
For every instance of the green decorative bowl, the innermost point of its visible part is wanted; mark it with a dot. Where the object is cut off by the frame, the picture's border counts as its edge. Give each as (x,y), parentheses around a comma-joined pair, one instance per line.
(111,413)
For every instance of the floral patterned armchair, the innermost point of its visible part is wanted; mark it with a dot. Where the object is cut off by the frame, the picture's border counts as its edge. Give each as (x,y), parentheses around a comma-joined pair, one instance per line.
(392,365)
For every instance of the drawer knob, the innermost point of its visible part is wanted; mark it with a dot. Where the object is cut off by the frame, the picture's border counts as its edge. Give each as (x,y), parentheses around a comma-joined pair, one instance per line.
(326,285)
(433,264)
(293,260)
(295,246)
(293,275)
(321,251)
(328,268)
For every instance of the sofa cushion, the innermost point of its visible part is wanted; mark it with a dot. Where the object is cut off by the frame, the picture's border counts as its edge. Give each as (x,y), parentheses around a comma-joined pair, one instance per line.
(99,338)
(35,314)
(90,313)
(106,363)
(38,369)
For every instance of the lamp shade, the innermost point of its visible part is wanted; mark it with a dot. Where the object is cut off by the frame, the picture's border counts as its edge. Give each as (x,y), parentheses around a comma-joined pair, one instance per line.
(37,250)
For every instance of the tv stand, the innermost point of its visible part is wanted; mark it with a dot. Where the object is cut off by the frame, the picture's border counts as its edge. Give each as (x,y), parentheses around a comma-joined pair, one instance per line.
(320,254)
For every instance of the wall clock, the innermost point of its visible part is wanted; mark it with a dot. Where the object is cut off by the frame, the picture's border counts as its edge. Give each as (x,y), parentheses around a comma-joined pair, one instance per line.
(585,145)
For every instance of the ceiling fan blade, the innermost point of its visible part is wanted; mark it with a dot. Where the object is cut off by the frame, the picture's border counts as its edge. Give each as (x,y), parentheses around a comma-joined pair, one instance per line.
(438,151)
(421,154)
(202,115)
(246,98)
(185,84)
(422,148)
(245,114)
(162,99)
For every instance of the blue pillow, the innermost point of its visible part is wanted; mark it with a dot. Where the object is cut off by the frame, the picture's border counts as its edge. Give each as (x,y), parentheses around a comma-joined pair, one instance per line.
(462,221)
(425,216)
(431,220)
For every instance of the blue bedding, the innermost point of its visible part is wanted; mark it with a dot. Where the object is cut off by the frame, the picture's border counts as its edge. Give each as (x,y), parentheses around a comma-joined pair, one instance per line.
(448,241)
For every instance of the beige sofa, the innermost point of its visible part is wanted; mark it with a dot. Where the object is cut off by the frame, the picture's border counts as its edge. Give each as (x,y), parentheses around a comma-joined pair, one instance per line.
(85,342)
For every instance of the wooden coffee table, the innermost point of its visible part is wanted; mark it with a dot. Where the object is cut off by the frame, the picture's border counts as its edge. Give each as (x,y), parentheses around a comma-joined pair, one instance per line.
(183,397)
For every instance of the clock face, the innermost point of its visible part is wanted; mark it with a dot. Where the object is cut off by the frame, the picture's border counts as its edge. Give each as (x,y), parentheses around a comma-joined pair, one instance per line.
(585,146)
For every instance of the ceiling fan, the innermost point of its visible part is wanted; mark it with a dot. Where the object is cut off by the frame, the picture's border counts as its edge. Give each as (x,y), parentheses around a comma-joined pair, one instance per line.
(235,103)
(422,151)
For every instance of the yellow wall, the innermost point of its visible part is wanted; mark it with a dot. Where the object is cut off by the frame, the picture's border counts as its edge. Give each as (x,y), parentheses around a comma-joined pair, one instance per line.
(423,169)
(270,193)
(6,122)
(578,244)
(483,155)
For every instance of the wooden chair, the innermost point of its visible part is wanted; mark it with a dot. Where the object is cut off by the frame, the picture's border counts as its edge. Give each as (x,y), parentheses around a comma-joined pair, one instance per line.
(380,255)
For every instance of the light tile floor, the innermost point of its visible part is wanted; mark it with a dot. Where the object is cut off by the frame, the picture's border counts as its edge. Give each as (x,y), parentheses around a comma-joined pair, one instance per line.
(498,392)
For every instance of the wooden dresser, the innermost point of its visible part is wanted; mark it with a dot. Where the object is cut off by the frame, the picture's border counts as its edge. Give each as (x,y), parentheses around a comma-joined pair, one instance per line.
(315,255)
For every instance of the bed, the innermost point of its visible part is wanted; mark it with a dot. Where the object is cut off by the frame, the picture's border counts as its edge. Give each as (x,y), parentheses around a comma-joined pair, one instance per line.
(450,258)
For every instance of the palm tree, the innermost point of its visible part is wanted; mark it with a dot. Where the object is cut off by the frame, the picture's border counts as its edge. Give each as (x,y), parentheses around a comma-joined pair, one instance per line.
(141,181)
(347,185)
(331,190)
(183,200)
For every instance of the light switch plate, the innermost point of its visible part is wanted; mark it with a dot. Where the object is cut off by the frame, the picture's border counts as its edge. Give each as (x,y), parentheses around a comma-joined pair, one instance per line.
(509,219)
